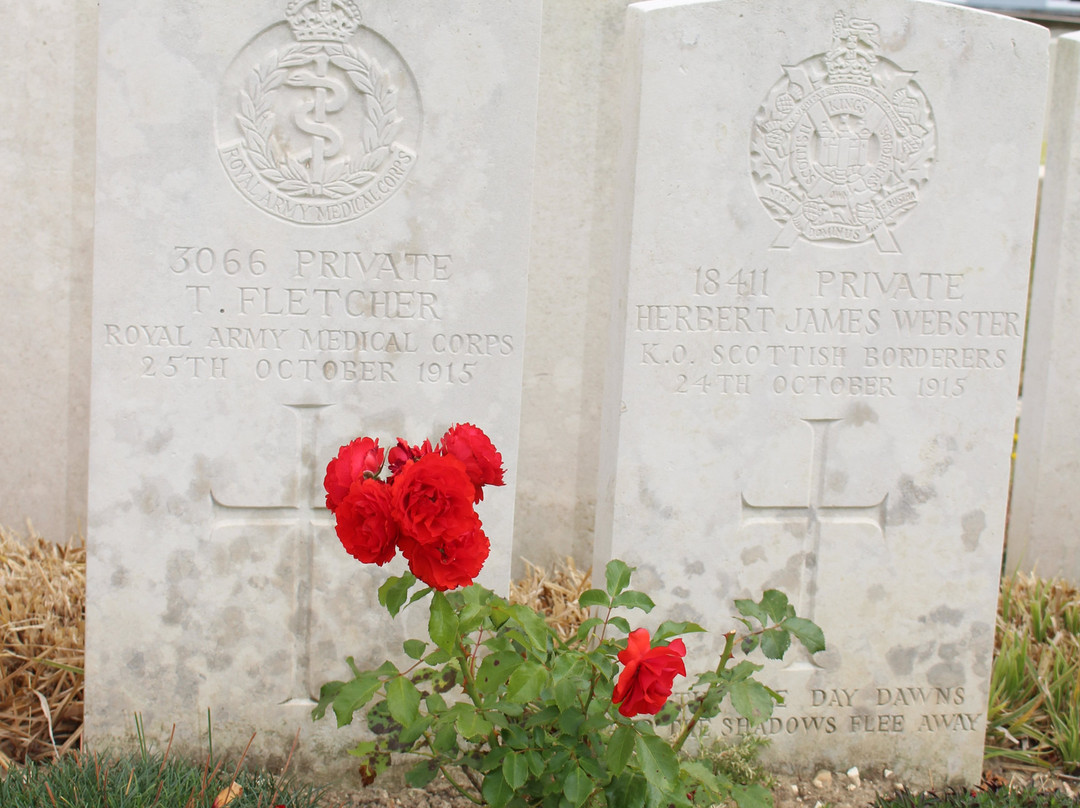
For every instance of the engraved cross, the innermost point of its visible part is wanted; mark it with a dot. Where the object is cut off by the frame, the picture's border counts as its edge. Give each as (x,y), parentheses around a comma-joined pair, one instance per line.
(813,514)
(306,516)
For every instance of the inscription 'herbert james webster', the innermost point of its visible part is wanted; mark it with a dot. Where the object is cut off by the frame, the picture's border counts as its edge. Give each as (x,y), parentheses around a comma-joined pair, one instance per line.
(828,339)
(282,264)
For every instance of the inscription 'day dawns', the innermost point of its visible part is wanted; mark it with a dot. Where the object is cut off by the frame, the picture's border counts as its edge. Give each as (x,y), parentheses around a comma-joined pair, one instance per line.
(843,143)
(318,119)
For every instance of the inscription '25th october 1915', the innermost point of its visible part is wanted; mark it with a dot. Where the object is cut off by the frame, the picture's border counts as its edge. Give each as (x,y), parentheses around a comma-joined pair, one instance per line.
(340,316)
(872,333)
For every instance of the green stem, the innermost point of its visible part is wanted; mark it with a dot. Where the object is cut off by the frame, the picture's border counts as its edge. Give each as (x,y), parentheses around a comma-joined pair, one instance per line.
(729,651)
(460,789)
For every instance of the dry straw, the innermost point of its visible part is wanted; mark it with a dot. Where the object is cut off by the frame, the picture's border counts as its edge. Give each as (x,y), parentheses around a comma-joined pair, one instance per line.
(554,593)
(42,625)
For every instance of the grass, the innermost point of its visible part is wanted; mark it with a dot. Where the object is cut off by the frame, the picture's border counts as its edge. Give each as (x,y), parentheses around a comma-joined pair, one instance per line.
(148,779)
(1034,713)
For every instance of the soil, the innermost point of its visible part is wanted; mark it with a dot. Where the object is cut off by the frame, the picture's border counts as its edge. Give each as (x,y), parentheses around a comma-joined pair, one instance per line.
(825,790)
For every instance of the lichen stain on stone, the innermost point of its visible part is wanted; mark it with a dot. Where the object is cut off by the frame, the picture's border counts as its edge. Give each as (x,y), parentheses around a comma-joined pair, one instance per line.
(836,481)
(179,568)
(158,441)
(787,579)
(949,672)
(861,414)
(147,498)
(137,663)
(973,523)
(901,660)
(681,592)
(875,593)
(943,614)
(752,554)
(695,568)
(200,485)
(911,496)
(118,578)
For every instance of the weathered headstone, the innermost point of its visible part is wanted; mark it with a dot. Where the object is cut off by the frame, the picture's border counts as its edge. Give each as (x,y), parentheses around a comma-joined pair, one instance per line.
(1043,524)
(312,223)
(47,53)
(828,219)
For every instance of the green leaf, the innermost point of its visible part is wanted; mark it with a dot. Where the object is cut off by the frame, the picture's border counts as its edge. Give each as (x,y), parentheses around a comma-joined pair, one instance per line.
(403,699)
(566,693)
(749,608)
(621,623)
(775,604)
(628,791)
(437,657)
(632,599)
(594,597)
(422,773)
(775,642)
(515,769)
(445,739)
(496,669)
(807,632)
(327,693)
(752,700)
(354,696)
(617,575)
(577,786)
(534,626)
(619,749)
(497,792)
(754,796)
(667,715)
(672,628)
(658,761)
(395,591)
(472,724)
(414,649)
(526,682)
(442,625)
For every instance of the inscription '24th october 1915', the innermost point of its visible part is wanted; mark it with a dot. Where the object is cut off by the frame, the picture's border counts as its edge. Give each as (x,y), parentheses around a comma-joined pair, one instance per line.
(874,333)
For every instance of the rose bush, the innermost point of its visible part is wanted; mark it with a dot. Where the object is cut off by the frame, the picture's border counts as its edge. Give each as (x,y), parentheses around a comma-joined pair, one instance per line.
(523,717)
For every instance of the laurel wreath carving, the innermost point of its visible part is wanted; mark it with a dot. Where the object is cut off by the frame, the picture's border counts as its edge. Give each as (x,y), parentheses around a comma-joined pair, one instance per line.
(286,173)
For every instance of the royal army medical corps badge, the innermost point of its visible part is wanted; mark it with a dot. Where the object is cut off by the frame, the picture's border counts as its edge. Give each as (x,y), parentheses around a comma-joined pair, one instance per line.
(843,144)
(318,118)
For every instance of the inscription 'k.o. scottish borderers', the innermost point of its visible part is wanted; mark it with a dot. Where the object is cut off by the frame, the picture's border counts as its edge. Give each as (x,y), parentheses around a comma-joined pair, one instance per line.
(311,126)
(843,143)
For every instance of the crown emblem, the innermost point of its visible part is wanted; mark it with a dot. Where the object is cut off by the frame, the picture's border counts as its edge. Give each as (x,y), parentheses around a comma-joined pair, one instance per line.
(854,51)
(323,20)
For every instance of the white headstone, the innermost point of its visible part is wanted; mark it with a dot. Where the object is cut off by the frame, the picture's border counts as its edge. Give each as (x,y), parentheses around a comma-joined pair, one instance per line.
(1043,532)
(828,224)
(312,224)
(47,55)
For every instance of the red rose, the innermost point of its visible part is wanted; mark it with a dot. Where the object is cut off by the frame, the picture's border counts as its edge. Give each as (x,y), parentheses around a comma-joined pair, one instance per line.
(401,454)
(364,522)
(645,683)
(472,447)
(448,564)
(432,499)
(361,458)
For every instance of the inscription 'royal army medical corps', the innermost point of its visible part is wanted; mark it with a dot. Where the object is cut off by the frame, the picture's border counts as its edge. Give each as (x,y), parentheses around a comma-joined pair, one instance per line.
(842,143)
(318,119)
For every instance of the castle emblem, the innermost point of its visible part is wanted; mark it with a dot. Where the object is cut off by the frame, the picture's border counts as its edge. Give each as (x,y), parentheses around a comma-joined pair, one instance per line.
(843,143)
(318,118)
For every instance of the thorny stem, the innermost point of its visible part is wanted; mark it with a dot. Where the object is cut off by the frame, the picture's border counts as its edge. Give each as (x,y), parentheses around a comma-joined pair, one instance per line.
(460,789)
(729,650)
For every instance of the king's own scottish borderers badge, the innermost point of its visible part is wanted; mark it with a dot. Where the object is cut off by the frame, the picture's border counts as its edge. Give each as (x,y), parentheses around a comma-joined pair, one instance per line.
(318,119)
(843,143)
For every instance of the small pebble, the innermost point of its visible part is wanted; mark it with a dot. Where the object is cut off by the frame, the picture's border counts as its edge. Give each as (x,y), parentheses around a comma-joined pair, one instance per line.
(888,774)
(853,775)
(823,779)
(819,804)
(795,789)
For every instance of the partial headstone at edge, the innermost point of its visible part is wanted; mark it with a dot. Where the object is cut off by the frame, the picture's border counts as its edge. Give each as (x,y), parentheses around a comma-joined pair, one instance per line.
(827,219)
(1044,520)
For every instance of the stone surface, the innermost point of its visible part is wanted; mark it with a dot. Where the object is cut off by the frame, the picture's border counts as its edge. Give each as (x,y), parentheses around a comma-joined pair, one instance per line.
(827,230)
(47,63)
(569,278)
(298,241)
(1043,533)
